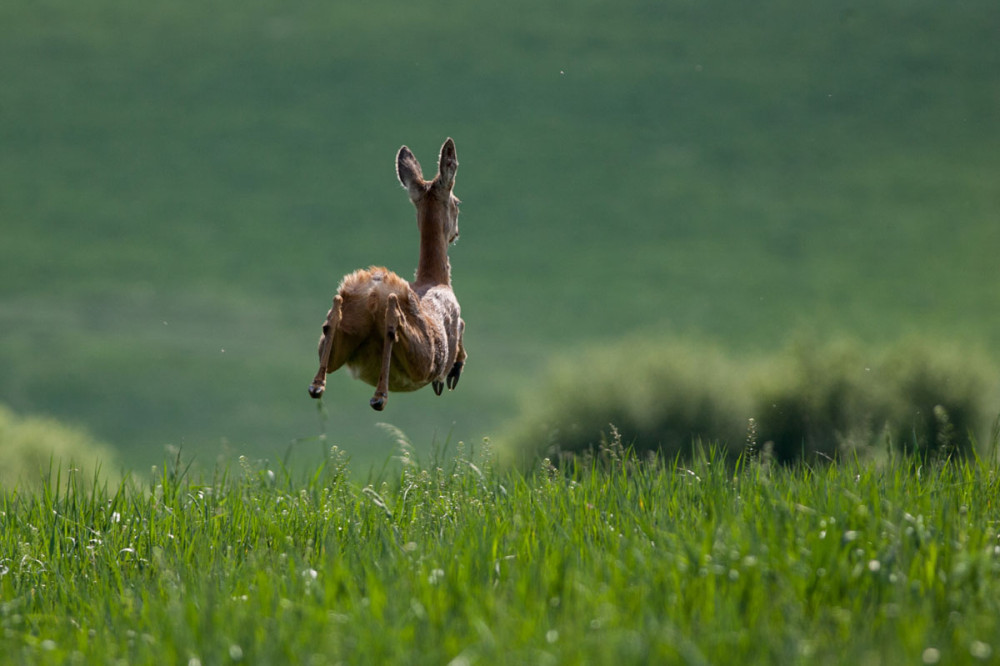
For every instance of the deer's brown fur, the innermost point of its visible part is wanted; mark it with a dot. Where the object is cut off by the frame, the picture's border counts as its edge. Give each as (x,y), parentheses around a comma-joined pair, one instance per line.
(393,334)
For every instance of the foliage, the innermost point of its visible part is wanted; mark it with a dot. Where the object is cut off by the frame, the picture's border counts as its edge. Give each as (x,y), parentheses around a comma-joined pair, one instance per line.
(613,561)
(33,447)
(810,401)
(820,401)
(830,399)
(660,394)
(941,394)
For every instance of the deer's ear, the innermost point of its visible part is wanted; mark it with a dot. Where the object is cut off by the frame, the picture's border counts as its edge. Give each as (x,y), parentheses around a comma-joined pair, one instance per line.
(448,164)
(408,171)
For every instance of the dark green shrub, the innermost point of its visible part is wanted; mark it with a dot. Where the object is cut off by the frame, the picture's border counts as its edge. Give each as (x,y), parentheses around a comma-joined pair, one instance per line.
(817,401)
(812,401)
(660,396)
(940,395)
(32,447)
(824,400)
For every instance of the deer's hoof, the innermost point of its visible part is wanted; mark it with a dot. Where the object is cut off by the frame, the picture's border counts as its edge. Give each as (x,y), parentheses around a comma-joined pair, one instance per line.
(378,402)
(454,375)
(316,390)
(437,386)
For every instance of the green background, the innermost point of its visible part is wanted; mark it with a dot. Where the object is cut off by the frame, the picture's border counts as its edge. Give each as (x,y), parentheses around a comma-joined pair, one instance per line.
(183,184)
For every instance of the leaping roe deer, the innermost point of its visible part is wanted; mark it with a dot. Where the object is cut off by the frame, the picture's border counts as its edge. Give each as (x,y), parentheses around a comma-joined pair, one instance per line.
(393,334)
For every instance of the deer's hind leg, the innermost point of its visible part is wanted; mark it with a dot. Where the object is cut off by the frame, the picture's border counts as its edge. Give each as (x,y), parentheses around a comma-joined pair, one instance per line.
(334,349)
(392,319)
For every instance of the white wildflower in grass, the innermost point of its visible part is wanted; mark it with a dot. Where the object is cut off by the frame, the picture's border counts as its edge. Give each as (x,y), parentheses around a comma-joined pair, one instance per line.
(980,650)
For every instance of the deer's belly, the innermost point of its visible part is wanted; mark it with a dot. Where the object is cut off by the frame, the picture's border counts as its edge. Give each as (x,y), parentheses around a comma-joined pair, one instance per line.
(366,365)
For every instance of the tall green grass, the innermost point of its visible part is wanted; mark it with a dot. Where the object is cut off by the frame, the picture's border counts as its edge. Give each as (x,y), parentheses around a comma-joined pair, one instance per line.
(184,184)
(451,561)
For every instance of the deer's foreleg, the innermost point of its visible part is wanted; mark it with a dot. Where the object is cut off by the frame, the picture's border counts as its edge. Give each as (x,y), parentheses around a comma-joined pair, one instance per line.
(392,317)
(456,369)
(326,346)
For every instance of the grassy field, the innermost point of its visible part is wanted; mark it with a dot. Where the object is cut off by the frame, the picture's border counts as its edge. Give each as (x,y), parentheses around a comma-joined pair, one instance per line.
(449,561)
(184,184)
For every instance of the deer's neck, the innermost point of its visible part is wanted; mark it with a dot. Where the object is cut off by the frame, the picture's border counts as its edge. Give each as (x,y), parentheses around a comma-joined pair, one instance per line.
(433,267)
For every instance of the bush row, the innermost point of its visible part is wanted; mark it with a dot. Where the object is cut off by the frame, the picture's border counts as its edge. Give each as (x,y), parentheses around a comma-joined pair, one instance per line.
(34,447)
(810,401)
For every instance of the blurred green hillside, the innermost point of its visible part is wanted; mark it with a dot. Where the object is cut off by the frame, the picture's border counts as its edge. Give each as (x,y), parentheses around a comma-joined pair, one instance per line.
(183,184)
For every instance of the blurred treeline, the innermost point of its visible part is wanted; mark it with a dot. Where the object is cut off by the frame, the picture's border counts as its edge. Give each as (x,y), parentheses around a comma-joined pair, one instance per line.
(811,401)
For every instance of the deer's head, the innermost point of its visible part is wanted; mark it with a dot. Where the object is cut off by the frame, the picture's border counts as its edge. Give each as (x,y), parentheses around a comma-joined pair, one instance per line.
(437,207)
